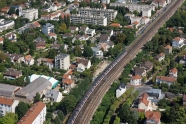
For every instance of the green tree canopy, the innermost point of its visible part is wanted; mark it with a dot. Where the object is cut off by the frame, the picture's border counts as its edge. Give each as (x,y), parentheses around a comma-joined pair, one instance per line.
(88,51)
(21,109)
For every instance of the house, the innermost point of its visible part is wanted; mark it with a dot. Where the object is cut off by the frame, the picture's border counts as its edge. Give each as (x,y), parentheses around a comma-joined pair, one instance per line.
(136,80)
(168,49)
(28,60)
(97,52)
(160,57)
(55,46)
(62,61)
(57,4)
(1,40)
(33,25)
(165,79)
(145,104)
(152,117)
(12,37)
(7,105)
(52,7)
(104,6)
(136,24)
(40,45)
(12,74)
(46,61)
(64,15)
(82,64)
(16,58)
(90,32)
(178,42)
(53,96)
(73,29)
(120,90)
(145,20)
(129,16)
(35,115)
(115,25)
(67,35)
(5,9)
(158,3)
(103,46)
(104,38)
(154,94)
(147,65)
(67,82)
(52,35)
(51,16)
(184,99)
(173,72)
(30,14)
(83,29)
(139,71)
(17,8)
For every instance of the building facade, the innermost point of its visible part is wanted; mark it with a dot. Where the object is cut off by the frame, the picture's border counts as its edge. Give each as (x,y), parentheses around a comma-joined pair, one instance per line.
(62,61)
(109,13)
(48,28)
(7,105)
(35,115)
(88,19)
(30,14)
(6,24)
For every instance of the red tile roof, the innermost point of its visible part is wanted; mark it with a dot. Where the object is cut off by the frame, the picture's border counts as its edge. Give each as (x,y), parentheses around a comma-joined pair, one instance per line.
(115,25)
(174,70)
(36,24)
(168,47)
(135,23)
(32,113)
(150,115)
(136,77)
(28,57)
(6,101)
(52,34)
(144,99)
(5,9)
(167,79)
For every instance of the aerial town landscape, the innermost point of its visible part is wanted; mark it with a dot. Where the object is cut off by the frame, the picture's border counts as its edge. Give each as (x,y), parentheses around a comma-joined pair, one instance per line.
(92,62)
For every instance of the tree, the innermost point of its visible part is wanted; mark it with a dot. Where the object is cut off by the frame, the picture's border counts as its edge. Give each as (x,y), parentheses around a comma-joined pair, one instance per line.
(82,4)
(88,51)
(120,38)
(3,57)
(163,103)
(21,109)
(11,11)
(77,51)
(52,53)
(63,27)
(61,115)
(57,120)
(37,97)
(2,68)
(136,13)
(117,120)
(69,103)
(9,118)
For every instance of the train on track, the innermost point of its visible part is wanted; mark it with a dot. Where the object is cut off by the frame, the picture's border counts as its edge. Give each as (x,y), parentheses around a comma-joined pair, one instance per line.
(94,85)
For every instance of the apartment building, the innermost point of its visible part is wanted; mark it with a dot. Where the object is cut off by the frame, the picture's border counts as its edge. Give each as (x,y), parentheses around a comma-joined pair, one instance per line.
(88,19)
(62,61)
(35,115)
(7,105)
(145,9)
(6,24)
(109,13)
(30,14)
(48,28)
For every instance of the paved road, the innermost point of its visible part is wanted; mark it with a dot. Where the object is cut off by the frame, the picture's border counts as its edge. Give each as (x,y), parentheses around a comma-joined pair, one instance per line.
(83,115)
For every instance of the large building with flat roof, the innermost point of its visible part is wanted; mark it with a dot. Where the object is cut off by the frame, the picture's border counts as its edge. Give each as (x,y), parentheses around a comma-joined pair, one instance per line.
(7,90)
(39,85)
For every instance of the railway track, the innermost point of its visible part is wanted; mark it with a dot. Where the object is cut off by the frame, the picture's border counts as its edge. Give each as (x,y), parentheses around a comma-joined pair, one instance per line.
(91,103)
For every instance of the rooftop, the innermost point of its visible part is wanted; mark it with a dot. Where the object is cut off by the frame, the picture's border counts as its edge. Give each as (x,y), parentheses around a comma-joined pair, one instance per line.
(8,90)
(6,101)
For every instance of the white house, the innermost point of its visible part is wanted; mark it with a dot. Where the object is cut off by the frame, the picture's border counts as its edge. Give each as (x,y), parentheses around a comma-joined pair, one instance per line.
(7,105)
(165,79)
(53,96)
(145,20)
(146,12)
(53,7)
(35,115)
(136,80)
(90,32)
(160,57)
(136,19)
(129,15)
(82,64)
(73,29)
(120,90)
(178,42)
(173,72)
(97,52)
(28,60)
(145,104)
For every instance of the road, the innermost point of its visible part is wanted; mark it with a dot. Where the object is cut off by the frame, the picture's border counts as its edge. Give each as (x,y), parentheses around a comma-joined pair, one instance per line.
(91,103)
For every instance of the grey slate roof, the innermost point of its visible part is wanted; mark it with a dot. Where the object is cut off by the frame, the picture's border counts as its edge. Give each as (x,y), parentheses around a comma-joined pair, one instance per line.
(37,86)
(8,90)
